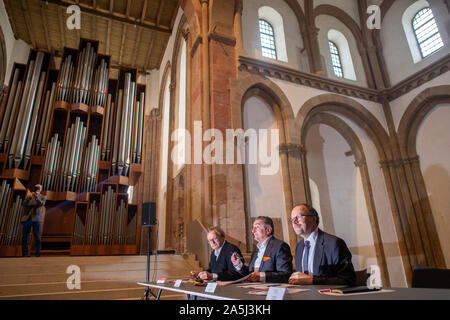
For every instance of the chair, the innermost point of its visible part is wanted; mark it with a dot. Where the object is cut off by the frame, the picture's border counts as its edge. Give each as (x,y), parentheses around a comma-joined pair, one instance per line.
(426,277)
(361,278)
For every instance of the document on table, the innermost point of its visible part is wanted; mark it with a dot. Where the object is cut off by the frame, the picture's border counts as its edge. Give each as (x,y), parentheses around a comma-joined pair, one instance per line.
(227,283)
(329,293)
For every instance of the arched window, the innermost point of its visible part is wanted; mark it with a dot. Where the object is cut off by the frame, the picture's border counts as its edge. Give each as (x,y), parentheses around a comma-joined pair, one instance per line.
(426,32)
(267,37)
(336,60)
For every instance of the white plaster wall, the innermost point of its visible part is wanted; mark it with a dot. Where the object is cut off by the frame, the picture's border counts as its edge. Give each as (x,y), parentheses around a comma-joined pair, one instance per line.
(16,50)
(294,42)
(345,193)
(396,51)
(325,23)
(382,205)
(433,147)
(299,94)
(264,191)
(399,105)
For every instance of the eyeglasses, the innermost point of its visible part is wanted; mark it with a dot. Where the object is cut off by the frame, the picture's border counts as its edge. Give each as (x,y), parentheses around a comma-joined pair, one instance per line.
(301,216)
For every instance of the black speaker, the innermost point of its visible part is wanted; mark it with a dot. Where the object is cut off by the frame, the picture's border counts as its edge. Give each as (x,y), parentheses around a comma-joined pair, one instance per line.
(148,214)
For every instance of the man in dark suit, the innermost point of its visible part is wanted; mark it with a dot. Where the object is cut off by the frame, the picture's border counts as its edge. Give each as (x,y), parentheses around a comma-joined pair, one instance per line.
(272,261)
(220,266)
(32,218)
(320,258)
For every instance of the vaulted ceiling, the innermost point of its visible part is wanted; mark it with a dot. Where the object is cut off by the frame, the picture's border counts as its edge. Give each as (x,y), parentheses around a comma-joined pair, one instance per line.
(133,32)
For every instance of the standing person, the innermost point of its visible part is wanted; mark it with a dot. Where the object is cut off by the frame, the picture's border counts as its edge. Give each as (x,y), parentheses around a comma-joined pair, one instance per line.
(272,261)
(220,266)
(320,258)
(32,218)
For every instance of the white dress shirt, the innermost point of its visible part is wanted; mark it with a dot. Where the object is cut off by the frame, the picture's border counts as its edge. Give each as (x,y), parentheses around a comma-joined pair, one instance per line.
(217,254)
(312,248)
(261,249)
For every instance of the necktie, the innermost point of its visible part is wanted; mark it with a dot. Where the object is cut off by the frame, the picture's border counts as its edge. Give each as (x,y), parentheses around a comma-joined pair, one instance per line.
(305,259)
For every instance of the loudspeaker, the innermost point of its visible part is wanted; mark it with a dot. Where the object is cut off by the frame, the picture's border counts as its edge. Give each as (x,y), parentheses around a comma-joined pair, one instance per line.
(148,214)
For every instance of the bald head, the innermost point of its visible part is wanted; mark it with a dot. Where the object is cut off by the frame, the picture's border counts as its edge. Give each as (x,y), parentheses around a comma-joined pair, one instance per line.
(304,219)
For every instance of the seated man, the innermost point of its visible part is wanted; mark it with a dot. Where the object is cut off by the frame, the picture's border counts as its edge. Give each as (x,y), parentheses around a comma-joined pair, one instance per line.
(220,266)
(320,258)
(272,262)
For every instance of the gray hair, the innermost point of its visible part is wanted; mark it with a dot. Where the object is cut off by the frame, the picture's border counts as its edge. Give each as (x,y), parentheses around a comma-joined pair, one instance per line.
(268,222)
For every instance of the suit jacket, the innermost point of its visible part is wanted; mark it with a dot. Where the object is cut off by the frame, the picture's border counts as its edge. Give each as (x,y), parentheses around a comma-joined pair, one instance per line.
(222,265)
(276,262)
(332,260)
(32,207)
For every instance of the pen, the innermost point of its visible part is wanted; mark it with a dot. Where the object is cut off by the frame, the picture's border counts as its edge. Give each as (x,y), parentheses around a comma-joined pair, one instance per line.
(238,255)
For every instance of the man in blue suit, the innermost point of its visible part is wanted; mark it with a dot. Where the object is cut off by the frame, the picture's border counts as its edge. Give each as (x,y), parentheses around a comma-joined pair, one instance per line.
(272,261)
(220,266)
(320,258)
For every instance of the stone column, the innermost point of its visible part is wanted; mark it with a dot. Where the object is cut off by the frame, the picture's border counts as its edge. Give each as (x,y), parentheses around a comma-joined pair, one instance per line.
(291,159)
(316,67)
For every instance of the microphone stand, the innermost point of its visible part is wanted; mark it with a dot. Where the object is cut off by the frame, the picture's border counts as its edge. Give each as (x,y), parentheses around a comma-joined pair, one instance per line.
(147,289)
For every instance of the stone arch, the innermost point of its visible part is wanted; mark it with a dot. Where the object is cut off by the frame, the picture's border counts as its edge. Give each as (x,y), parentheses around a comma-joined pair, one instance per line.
(408,129)
(246,83)
(341,15)
(254,85)
(173,217)
(360,161)
(162,93)
(352,110)
(414,115)
(302,25)
(385,6)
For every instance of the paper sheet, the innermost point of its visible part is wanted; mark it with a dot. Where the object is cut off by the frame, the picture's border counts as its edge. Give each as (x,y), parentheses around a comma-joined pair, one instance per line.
(356,293)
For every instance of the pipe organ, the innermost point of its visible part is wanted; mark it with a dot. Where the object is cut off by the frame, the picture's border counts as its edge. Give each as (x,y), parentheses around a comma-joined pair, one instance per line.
(79,134)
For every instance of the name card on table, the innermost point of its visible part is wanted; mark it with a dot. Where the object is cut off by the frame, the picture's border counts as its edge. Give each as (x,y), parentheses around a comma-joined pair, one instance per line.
(161,280)
(276,293)
(178,283)
(211,287)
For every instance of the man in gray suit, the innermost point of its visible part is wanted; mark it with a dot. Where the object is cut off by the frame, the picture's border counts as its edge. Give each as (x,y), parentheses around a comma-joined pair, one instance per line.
(320,258)
(32,218)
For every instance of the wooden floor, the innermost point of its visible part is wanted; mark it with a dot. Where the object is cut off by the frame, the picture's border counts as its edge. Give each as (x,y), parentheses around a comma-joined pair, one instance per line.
(102,277)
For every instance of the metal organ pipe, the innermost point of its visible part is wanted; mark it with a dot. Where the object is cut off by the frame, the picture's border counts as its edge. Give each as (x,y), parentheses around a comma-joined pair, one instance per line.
(107,123)
(140,128)
(18,147)
(83,75)
(47,119)
(32,128)
(124,123)
(116,142)
(10,106)
(8,124)
(129,129)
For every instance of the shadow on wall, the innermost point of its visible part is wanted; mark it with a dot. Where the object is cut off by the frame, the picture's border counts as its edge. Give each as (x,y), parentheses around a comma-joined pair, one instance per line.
(437,181)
